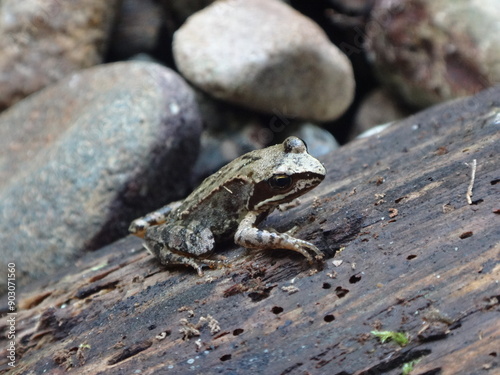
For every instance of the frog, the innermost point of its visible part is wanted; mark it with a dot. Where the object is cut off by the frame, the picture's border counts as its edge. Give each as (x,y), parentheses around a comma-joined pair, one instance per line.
(230,204)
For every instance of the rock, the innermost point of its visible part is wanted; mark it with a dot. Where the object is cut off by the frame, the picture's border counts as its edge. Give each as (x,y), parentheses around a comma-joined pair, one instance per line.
(266,56)
(44,40)
(230,131)
(137,29)
(377,108)
(430,51)
(89,154)
(219,148)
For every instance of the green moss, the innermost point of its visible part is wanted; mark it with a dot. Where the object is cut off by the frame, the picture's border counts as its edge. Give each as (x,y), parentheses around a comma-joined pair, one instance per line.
(399,338)
(408,367)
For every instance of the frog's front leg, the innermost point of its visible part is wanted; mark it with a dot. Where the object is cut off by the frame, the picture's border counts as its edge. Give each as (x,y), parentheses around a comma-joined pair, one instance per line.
(252,237)
(139,226)
(175,244)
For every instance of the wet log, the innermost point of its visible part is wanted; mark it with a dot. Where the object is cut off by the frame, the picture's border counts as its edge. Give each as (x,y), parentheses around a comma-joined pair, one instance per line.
(412,244)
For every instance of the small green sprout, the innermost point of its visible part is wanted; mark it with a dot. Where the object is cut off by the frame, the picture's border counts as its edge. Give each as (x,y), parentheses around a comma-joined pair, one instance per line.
(399,338)
(408,367)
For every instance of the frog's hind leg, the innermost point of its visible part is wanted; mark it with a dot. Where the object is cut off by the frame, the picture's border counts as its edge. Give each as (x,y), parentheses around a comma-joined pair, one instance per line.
(178,244)
(170,258)
(139,226)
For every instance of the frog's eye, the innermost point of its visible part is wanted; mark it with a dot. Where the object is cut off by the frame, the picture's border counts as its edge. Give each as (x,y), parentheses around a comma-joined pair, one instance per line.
(280,181)
(294,145)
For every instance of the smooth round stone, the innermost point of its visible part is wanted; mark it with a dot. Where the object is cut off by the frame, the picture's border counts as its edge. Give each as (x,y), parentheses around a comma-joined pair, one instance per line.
(264,55)
(86,156)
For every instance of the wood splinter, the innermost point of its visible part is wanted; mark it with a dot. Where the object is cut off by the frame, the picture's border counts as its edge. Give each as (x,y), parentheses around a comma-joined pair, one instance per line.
(472,178)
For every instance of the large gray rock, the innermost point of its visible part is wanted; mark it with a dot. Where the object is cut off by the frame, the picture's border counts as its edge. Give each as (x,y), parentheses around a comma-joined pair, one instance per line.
(264,55)
(41,41)
(430,51)
(84,157)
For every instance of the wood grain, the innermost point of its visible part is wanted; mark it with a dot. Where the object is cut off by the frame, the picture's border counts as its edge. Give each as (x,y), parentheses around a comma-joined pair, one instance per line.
(416,258)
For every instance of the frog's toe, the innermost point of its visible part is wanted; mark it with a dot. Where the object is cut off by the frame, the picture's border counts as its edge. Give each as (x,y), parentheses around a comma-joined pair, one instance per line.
(205,263)
(214,264)
(318,254)
(199,270)
(292,231)
(199,265)
(319,258)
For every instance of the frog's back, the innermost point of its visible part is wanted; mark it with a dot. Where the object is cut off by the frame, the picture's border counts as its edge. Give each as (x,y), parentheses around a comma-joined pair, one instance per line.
(221,209)
(240,169)
(243,167)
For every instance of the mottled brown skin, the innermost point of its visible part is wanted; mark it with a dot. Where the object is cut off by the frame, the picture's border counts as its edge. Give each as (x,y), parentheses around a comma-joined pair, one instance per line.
(230,203)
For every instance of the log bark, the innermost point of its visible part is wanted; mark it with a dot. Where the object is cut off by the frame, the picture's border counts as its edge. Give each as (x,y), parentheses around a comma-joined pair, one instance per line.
(406,253)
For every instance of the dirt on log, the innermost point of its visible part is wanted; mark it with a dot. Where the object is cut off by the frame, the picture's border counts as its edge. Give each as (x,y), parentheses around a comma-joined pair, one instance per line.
(412,243)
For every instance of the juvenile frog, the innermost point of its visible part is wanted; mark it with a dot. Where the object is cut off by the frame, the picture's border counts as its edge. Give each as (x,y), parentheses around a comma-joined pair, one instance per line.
(230,204)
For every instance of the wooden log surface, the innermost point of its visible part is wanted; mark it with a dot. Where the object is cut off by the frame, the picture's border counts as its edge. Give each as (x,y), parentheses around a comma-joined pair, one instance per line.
(405,252)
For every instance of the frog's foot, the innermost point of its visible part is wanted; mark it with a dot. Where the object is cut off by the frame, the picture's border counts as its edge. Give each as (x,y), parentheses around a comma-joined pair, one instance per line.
(170,258)
(199,264)
(303,247)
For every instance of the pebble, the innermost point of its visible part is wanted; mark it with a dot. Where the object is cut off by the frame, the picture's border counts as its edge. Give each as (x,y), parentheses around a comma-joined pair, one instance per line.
(264,55)
(89,154)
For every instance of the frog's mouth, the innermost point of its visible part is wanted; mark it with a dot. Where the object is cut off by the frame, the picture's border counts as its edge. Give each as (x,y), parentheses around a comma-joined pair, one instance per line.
(273,192)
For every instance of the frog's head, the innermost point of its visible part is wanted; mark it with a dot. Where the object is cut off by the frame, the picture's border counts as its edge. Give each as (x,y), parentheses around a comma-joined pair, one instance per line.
(287,172)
